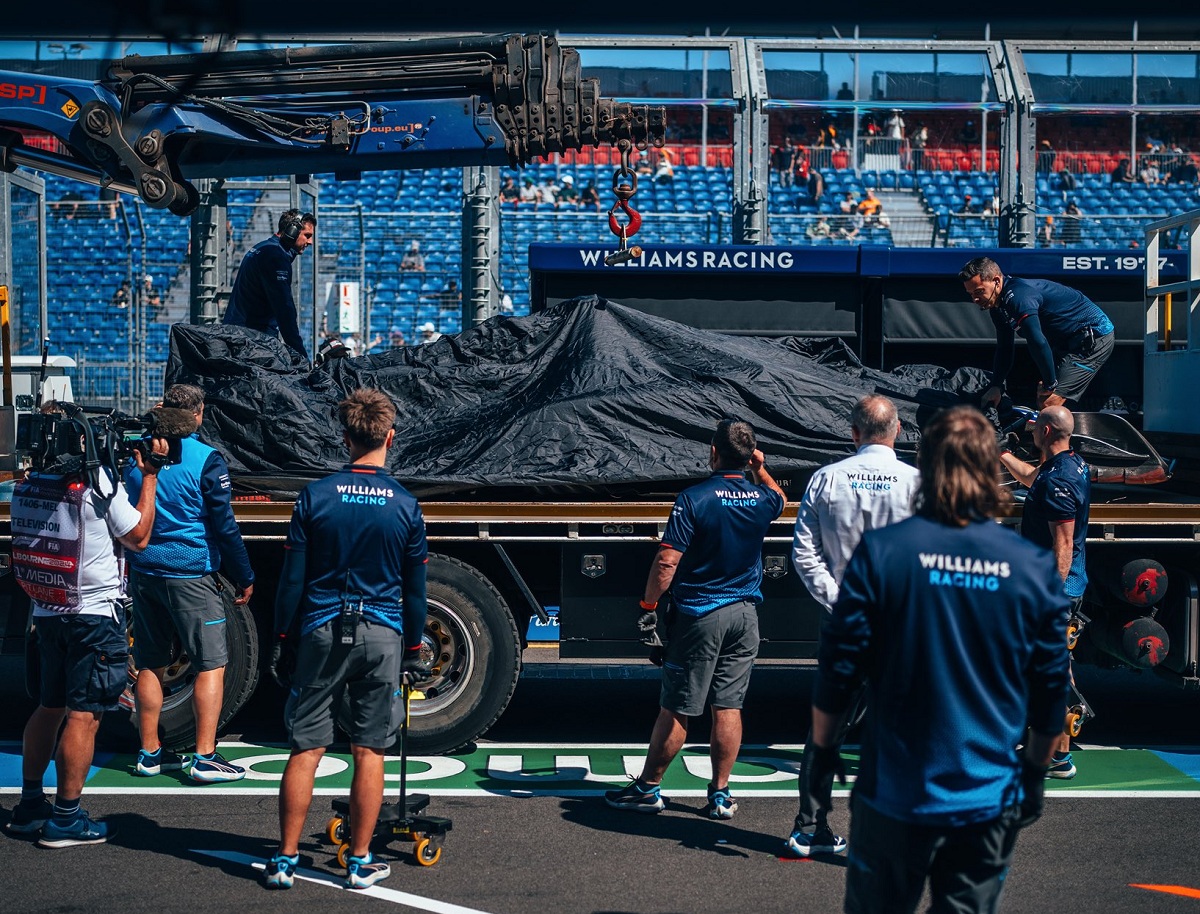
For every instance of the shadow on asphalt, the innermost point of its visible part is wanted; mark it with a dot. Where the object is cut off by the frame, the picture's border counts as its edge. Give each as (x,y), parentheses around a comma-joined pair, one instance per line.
(695,832)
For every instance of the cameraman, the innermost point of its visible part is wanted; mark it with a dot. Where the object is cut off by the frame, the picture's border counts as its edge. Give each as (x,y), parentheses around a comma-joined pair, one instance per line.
(176,589)
(352,592)
(65,522)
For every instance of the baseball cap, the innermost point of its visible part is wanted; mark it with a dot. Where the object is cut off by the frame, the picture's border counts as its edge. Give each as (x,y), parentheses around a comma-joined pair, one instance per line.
(567,179)
(428,325)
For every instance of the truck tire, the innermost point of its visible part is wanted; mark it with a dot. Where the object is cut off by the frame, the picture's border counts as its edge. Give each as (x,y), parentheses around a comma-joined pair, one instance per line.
(177,724)
(477,659)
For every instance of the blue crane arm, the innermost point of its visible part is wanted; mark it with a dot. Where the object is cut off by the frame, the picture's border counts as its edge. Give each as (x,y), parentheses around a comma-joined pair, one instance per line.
(155,123)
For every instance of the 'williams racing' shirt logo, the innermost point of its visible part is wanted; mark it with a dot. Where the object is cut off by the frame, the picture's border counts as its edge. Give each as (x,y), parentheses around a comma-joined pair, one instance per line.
(964,571)
(869,481)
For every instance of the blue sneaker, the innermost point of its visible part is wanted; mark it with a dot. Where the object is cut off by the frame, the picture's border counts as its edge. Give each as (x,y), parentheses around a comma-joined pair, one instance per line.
(822,841)
(281,871)
(28,817)
(720,804)
(214,770)
(635,798)
(364,872)
(80,830)
(151,763)
(1061,767)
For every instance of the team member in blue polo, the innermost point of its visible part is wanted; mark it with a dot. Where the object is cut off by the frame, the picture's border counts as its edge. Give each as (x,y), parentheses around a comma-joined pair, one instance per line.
(958,626)
(710,559)
(176,591)
(1055,516)
(1069,336)
(352,592)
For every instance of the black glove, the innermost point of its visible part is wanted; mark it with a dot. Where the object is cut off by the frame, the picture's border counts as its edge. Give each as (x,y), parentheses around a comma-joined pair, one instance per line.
(1033,786)
(647,625)
(1007,441)
(283,661)
(413,668)
(824,766)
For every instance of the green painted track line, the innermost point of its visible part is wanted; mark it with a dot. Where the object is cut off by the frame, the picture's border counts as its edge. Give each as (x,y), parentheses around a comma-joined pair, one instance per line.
(581,770)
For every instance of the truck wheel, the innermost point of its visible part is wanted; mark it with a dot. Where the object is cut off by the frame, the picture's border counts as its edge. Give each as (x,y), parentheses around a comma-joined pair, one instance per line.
(476,652)
(177,724)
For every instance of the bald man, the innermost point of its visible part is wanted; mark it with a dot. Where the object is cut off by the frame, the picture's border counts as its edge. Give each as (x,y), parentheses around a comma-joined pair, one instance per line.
(1055,516)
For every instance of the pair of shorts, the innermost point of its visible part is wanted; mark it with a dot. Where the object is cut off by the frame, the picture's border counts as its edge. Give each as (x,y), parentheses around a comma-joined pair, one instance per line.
(1075,370)
(367,673)
(193,609)
(84,660)
(709,659)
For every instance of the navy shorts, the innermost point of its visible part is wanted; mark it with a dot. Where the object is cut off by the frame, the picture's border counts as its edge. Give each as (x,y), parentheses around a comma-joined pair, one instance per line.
(366,674)
(1077,368)
(709,659)
(191,608)
(84,661)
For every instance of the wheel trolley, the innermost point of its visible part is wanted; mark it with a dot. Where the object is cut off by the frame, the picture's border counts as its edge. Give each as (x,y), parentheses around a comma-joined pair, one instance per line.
(403,821)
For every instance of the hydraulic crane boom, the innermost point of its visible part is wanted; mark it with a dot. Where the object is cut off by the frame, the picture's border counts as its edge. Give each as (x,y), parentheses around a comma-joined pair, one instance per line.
(155,122)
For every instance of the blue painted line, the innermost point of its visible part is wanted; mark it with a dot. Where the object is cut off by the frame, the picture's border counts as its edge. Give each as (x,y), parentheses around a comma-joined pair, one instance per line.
(1186,762)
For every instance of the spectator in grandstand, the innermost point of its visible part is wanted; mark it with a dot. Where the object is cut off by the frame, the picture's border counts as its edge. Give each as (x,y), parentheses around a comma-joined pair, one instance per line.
(568,194)
(960,669)
(262,291)
(506,302)
(413,259)
(1069,336)
(1047,233)
(816,184)
(69,204)
(882,219)
(869,207)
(845,93)
(1149,173)
(530,192)
(848,203)
(969,206)
(664,172)
(827,136)
(1045,158)
(819,228)
(121,297)
(1184,171)
(590,196)
(450,298)
(893,127)
(835,511)
(1072,229)
(429,333)
(800,167)
(397,340)
(710,561)
(178,596)
(969,135)
(352,598)
(509,192)
(918,141)
(850,226)
(644,166)
(1121,174)
(1055,516)
(1066,182)
(783,160)
(549,191)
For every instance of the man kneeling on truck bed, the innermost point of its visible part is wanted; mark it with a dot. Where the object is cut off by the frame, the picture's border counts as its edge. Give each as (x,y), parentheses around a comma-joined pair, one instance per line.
(711,560)
(353,590)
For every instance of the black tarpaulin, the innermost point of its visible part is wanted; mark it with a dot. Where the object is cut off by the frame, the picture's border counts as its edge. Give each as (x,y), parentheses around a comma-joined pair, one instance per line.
(585,395)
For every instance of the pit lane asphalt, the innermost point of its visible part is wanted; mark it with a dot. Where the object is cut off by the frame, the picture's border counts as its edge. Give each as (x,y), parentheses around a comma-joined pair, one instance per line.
(514,855)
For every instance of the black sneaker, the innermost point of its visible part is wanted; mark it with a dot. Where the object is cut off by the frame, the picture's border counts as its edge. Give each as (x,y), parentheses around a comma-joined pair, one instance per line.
(215,770)
(822,841)
(364,872)
(151,763)
(29,816)
(635,798)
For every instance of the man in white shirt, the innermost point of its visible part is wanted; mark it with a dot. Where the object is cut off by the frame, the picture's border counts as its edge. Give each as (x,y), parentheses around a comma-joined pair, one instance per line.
(868,490)
(64,558)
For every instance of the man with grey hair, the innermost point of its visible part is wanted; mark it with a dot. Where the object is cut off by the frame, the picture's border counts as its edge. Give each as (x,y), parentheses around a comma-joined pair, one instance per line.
(1069,336)
(867,490)
(177,592)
